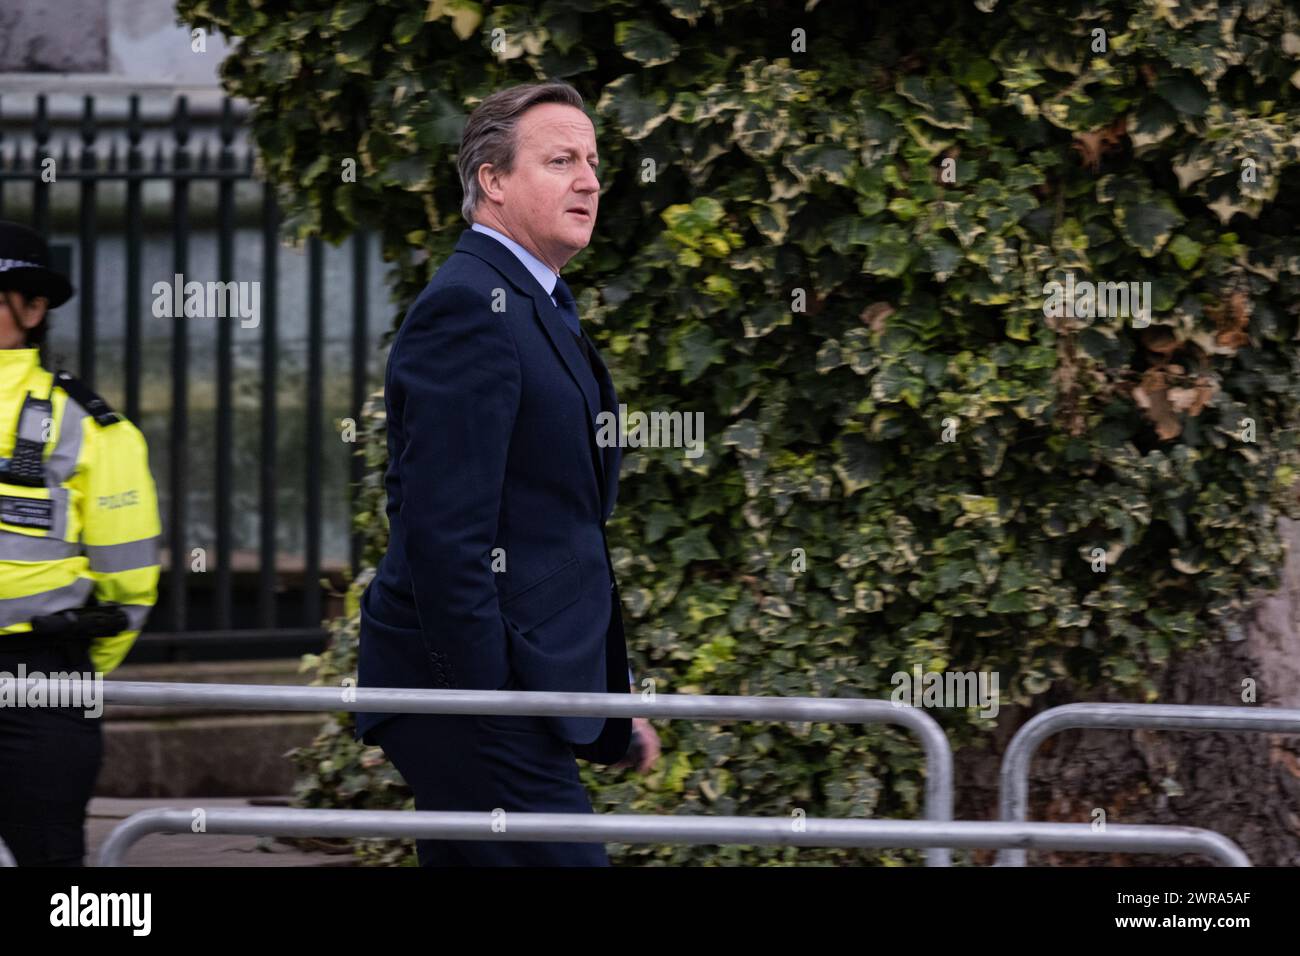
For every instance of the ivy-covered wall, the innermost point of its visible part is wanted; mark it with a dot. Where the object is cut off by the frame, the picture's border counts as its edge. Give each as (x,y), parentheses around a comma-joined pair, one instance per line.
(834,231)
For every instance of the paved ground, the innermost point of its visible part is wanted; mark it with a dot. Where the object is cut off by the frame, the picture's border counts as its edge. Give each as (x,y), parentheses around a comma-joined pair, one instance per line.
(195,849)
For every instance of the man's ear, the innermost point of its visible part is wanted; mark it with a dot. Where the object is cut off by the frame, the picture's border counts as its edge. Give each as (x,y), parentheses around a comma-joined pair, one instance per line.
(489,182)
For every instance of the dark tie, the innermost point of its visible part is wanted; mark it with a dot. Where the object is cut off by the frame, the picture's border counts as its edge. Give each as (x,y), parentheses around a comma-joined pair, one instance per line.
(567,306)
(569,309)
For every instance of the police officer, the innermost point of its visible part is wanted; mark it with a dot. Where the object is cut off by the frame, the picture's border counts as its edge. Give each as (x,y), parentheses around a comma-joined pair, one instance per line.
(79,533)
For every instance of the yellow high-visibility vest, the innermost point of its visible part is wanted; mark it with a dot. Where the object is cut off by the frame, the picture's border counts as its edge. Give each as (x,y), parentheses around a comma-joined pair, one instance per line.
(89,524)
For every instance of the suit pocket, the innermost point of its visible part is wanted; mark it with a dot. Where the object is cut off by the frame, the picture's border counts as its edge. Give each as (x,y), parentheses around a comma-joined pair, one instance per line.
(545,598)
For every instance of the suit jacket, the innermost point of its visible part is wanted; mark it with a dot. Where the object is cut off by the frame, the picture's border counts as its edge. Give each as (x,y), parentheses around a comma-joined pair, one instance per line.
(491,424)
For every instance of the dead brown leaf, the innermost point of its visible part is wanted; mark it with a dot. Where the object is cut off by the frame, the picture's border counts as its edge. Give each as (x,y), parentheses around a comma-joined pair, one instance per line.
(1151,395)
(875,314)
(1093,145)
(1231,317)
(1192,400)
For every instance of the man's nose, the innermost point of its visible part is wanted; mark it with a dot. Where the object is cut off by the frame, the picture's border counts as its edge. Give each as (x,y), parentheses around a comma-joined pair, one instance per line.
(588,182)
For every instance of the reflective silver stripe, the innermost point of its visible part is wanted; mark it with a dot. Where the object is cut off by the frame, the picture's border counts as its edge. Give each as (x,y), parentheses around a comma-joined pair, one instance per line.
(7,264)
(20,610)
(62,463)
(110,558)
(63,460)
(135,615)
(60,498)
(26,547)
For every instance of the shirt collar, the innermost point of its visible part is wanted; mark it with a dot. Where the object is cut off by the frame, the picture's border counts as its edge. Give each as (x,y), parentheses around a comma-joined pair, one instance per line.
(540,270)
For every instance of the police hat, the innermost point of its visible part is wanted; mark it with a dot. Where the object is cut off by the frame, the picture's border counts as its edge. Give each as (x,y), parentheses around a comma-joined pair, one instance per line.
(25,265)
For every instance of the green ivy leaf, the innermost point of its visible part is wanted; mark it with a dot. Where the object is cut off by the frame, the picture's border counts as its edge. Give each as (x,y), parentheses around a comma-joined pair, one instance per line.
(642,41)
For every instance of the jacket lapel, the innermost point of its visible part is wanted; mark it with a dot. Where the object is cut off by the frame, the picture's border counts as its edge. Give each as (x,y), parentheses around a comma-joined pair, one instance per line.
(610,455)
(505,262)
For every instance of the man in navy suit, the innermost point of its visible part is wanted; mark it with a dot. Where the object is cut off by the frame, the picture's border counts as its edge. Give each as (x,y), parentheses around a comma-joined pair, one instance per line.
(497,575)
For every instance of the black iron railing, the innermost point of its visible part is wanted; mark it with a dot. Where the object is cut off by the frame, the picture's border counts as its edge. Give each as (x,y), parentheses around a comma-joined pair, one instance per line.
(24,169)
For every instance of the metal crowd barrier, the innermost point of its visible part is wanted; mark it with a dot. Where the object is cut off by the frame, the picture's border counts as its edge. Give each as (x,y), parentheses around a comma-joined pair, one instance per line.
(938,754)
(937,833)
(1014,791)
(633,828)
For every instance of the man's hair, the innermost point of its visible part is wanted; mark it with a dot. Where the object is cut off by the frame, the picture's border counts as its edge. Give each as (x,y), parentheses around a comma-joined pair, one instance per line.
(490,132)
